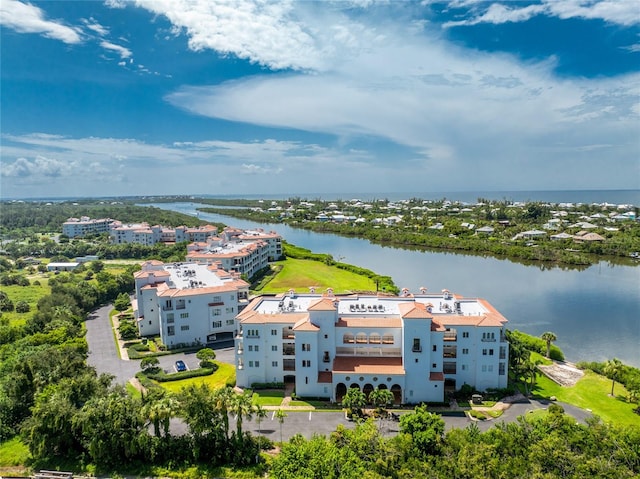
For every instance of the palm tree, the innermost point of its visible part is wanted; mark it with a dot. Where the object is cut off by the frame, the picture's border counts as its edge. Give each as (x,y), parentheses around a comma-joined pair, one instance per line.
(612,369)
(549,337)
(280,414)
(529,371)
(242,406)
(222,400)
(260,414)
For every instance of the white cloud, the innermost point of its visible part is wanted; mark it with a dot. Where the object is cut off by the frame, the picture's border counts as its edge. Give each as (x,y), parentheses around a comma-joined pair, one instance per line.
(94,26)
(622,12)
(279,35)
(120,50)
(40,166)
(27,18)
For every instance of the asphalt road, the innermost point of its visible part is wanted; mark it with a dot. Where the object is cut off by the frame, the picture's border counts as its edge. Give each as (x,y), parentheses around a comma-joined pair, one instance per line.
(103,355)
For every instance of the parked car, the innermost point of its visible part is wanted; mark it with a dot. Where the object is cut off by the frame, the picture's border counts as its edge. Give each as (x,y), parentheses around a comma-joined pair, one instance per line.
(180,366)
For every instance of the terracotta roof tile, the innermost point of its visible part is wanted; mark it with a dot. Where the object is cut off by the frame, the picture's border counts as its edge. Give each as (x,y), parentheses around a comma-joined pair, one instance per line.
(325,377)
(367,365)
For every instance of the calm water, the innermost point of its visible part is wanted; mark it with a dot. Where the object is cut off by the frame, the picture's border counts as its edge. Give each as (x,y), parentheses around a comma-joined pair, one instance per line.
(594,312)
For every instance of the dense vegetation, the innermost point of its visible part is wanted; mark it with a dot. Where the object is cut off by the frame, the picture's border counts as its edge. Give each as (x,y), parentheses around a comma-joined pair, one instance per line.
(548,447)
(452,226)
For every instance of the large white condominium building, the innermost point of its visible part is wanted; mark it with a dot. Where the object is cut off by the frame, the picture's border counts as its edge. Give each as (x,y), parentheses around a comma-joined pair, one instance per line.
(418,346)
(142,233)
(79,227)
(245,252)
(188,303)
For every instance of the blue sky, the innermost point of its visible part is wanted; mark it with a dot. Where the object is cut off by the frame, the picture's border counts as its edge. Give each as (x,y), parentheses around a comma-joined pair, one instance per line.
(155,97)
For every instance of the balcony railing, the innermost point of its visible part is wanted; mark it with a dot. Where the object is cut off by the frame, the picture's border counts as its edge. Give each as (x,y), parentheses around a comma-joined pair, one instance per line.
(448,336)
(369,351)
(488,340)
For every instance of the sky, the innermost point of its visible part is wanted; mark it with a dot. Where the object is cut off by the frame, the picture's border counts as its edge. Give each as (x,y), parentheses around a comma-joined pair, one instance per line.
(251,97)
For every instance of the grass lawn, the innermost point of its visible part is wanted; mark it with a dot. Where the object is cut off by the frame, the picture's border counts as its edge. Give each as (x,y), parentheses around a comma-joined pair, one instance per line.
(13,453)
(592,392)
(225,374)
(31,294)
(300,274)
(268,397)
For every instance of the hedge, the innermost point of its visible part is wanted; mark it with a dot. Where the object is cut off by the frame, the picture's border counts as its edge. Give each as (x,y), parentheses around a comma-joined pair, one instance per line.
(163,377)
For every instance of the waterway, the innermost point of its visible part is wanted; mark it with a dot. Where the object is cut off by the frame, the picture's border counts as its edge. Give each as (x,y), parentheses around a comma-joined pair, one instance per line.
(595,312)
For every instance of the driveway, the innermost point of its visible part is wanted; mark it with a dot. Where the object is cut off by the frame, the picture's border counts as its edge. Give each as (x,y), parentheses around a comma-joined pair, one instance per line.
(103,352)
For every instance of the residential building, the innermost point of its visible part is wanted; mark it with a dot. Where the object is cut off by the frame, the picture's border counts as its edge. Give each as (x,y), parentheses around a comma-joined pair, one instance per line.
(242,251)
(83,226)
(188,303)
(418,346)
(143,233)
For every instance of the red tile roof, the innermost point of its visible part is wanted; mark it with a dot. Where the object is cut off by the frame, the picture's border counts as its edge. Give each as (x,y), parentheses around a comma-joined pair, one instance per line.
(367,365)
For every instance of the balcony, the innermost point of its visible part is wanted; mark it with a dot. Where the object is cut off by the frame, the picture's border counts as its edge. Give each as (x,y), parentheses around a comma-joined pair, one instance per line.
(488,340)
(450,336)
(289,365)
(450,352)
(288,335)
(369,351)
(288,350)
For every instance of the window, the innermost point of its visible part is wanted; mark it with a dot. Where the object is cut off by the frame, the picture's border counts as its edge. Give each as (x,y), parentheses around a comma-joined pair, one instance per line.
(170,318)
(387,339)
(274,364)
(184,327)
(348,338)
(274,347)
(274,332)
(217,324)
(484,368)
(184,315)
(217,299)
(416,345)
(230,322)
(256,348)
(306,363)
(306,347)
(484,352)
(171,330)
(435,348)
(465,334)
(490,368)
(217,312)
(491,352)
(250,364)
(229,310)
(501,369)
(325,357)
(464,367)
(465,351)
(251,347)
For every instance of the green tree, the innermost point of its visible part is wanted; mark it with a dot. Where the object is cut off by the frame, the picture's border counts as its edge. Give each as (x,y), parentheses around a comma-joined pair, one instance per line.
(612,370)
(206,357)
(222,400)
(354,400)
(22,307)
(281,415)
(159,409)
(548,338)
(242,406)
(122,302)
(381,398)
(426,430)
(149,363)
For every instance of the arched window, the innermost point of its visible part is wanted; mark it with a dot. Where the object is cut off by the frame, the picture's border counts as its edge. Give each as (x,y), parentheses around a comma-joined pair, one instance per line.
(348,338)
(361,338)
(387,339)
(374,338)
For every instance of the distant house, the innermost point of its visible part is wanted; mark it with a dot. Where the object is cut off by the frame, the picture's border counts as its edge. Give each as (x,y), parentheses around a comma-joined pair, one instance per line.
(486,230)
(62,266)
(531,234)
(561,237)
(583,236)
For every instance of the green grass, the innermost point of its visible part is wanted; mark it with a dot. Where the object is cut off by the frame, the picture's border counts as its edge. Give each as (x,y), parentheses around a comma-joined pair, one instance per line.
(31,294)
(13,453)
(301,274)
(268,397)
(225,374)
(592,392)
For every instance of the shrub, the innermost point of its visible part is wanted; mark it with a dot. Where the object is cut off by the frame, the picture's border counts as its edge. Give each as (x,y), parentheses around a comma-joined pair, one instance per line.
(22,307)
(162,377)
(273,385)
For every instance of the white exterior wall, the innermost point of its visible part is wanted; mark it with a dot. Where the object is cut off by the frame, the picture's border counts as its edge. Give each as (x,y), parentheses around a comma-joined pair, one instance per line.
(418,363)
(148,316)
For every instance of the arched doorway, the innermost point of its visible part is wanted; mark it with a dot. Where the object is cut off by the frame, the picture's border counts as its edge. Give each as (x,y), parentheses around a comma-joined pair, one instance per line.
(367,389)
(449,386)
(397,394)
(355,386)
(341,390)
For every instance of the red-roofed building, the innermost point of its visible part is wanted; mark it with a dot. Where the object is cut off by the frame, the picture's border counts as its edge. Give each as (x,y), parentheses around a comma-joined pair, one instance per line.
(418,346)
